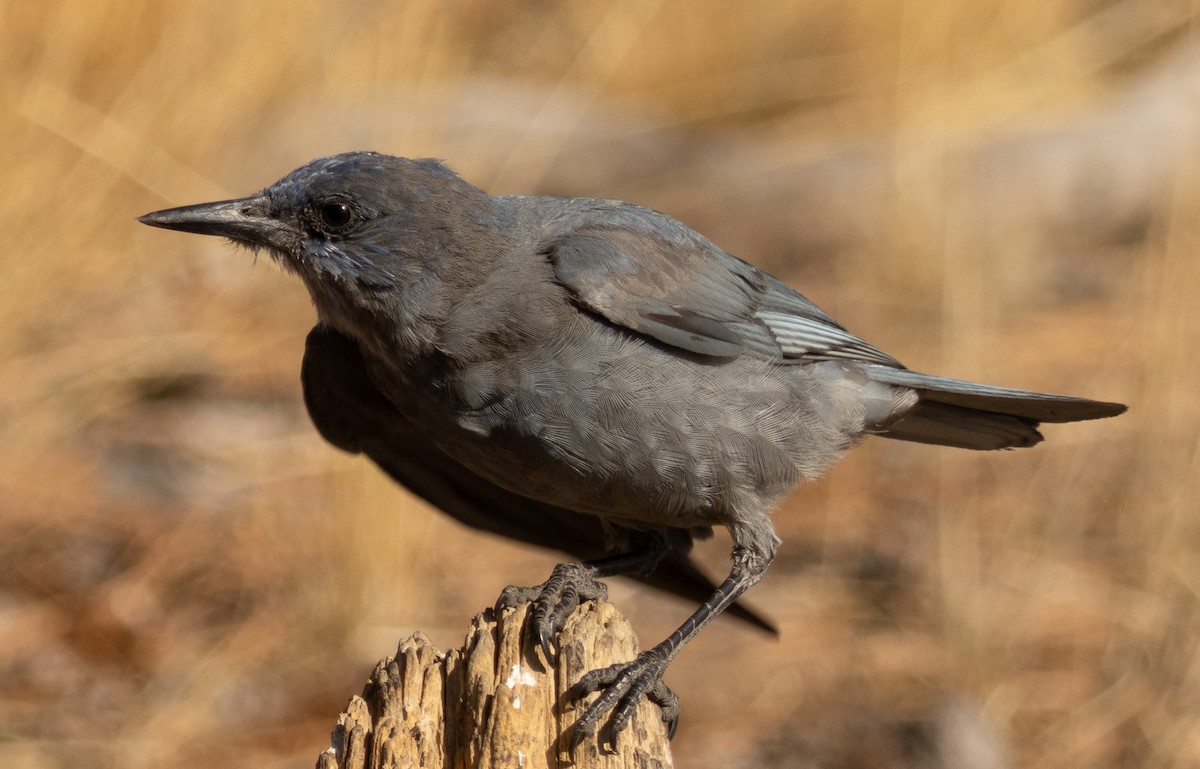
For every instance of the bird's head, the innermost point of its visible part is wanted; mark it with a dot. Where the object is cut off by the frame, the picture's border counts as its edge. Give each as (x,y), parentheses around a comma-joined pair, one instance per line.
(365,231)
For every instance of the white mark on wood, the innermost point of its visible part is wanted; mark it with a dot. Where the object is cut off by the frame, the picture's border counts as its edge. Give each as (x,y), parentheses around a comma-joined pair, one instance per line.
(519,677)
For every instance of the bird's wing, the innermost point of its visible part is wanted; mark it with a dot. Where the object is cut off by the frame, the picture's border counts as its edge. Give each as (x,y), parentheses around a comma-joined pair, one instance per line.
(649,273)
(352,414)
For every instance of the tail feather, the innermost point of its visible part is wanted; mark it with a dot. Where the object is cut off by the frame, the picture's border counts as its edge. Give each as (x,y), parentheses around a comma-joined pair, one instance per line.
(967,415)
(947,425)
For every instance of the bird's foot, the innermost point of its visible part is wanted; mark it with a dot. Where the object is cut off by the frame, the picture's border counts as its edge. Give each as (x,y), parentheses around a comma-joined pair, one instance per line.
(570,584)
(623,686)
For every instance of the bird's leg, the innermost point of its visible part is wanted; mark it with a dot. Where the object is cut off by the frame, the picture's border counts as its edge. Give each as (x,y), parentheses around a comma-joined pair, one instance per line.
(622,686)
(571,584)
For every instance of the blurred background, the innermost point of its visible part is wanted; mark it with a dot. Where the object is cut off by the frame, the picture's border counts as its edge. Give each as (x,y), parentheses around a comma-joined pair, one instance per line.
(1002,190)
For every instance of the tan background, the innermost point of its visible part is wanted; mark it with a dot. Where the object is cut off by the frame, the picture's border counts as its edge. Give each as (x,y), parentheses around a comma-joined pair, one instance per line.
(1004,191)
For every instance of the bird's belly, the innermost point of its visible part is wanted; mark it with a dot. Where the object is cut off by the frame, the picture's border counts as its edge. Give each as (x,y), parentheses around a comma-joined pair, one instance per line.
(649,438)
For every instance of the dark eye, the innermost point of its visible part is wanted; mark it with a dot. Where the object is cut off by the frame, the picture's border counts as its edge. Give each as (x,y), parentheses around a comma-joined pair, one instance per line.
(334,216)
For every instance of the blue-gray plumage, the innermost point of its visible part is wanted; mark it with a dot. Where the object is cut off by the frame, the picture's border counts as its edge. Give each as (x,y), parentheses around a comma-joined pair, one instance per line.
(578,373)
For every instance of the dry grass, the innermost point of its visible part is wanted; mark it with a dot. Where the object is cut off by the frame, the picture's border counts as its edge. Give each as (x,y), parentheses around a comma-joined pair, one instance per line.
(1000,190)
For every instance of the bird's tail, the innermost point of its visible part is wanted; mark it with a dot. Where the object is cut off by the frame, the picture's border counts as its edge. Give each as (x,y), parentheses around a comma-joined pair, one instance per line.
(967,415)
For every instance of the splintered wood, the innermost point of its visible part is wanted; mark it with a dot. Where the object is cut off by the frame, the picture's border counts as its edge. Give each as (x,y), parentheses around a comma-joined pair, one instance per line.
(493,703)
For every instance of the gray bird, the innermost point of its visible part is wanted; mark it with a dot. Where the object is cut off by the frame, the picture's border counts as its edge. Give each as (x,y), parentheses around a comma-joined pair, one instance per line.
(585,374)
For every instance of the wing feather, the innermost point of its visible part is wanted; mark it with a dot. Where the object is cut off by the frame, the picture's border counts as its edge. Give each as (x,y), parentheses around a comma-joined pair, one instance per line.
(649,273)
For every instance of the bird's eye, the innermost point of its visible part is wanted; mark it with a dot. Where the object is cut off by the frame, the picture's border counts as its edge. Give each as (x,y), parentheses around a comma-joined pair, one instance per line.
(334,216)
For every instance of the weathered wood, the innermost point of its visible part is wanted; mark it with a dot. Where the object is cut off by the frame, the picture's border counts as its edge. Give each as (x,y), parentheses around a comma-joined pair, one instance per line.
(492,703)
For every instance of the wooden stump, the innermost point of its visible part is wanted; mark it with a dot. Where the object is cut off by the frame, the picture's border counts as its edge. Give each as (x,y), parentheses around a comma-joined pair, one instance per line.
(493,703)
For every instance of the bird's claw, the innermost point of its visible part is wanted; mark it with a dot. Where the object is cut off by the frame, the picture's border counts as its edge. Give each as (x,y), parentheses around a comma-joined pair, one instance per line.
(623,686)
(546,641)
(570,584)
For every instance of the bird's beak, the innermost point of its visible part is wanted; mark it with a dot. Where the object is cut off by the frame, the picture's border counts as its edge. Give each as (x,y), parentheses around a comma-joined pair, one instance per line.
(246,220)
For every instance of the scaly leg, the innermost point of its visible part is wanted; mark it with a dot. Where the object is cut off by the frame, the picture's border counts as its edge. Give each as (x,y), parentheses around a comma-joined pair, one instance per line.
(623,686)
